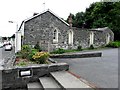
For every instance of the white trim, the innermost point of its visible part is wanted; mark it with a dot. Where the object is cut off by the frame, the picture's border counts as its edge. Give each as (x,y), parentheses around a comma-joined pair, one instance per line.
(22,29)
(70,37)
(17,41)
(56,36)
(91,38)
(107,38)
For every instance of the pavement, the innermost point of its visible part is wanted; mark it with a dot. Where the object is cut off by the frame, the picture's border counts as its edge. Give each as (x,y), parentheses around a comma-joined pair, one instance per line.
(67,80)
(1,59)
(4,56)
(99,71)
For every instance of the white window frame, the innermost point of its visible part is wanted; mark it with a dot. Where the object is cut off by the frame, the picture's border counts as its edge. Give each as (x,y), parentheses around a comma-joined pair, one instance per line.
(91,38)
(70,37)
(107,38)
(55,36)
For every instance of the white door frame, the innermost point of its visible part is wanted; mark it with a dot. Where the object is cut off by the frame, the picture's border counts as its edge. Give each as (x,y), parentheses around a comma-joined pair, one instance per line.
(91,38)
(107,38)
(70,37)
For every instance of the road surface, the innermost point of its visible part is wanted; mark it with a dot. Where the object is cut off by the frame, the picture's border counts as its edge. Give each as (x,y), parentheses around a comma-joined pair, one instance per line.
(100,71)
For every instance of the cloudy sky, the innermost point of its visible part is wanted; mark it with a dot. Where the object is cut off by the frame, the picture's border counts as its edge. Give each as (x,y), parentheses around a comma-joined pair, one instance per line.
(18,10)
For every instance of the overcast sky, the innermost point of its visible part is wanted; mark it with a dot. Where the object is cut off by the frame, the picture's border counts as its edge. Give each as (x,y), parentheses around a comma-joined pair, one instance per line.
(18,10)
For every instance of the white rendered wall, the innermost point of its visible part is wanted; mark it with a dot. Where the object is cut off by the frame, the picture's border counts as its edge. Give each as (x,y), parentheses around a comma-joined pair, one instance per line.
(18,42)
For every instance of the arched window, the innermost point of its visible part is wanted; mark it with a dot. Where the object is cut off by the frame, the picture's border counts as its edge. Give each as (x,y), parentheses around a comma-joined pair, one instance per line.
(107,38)
(70,37)
(91,38)
(55,36)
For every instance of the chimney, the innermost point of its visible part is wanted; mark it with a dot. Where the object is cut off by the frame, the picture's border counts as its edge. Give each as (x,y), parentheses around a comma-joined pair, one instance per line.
(35,14)
(70,20)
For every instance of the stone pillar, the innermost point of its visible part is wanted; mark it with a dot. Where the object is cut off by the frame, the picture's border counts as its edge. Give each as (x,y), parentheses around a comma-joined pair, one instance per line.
(70,20)
(17,41)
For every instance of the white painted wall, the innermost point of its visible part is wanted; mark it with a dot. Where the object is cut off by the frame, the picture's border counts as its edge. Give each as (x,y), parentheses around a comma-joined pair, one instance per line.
(17,41)
(22,29)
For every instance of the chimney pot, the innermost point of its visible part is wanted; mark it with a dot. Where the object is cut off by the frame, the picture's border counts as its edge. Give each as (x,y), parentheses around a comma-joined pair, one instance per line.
(70,20)
(35,14)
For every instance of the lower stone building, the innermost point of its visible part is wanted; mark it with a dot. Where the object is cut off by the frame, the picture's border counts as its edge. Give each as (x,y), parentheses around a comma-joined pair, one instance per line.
(52,32)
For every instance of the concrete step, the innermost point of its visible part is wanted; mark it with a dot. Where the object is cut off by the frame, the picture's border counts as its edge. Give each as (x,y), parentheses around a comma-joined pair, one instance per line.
(34,86)
(66,80)
(49,82)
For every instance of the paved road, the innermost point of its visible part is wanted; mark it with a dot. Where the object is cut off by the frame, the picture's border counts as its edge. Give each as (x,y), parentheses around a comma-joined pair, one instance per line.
(1,59)
(100,71)
(4,55)
(0,53)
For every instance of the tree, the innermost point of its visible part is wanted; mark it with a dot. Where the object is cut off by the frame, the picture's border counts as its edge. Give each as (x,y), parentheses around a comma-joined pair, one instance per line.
(13,36)
(98,15)
(4,38)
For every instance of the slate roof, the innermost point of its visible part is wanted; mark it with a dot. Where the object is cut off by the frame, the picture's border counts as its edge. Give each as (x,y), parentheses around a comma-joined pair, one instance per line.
(99,29)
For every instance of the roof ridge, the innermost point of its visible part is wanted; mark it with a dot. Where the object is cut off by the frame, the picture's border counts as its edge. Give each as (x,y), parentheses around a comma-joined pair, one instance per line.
(40,14)
(44,12)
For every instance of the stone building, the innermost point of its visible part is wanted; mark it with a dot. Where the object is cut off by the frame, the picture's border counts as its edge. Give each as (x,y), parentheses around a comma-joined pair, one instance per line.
(52,32)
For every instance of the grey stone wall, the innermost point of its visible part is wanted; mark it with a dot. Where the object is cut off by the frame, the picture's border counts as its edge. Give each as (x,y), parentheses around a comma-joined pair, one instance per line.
(108,31)
(83,55)
(40,29)
(99,38)
(11,78)
(81,37)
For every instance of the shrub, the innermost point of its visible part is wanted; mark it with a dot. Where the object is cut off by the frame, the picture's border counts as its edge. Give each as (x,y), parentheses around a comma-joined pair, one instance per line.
(79,48)
(24,52)
(91,47)
(18,54)
(38,47)
(41,57)
(59,51)
(115,44)
(33,51)
(26,48)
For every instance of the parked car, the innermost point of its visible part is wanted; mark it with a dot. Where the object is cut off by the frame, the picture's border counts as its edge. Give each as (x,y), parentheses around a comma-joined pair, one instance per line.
(8,47)
(1,45)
